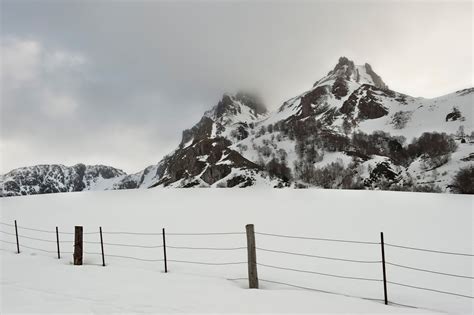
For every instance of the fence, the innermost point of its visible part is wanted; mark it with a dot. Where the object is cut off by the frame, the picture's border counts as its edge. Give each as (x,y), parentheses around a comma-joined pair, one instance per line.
(251,262)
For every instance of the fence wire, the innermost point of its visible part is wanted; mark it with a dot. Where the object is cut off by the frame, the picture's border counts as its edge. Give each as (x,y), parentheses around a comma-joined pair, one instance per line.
(208,263)
(206,248)
(317,256)
(125,257)
(317,238)
(132,233)
(7,242)
(430,271)
(429,289)
(176,234)
(237,248)
(43,231)
(125,245)
(429,250)
(319,273)
(35,238)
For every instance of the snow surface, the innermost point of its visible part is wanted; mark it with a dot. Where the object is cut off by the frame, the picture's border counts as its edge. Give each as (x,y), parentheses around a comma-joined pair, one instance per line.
(37,282)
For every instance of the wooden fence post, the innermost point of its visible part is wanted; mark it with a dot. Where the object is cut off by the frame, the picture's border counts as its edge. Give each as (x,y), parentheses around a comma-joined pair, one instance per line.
(383,267)
(78,245)
(17,242)
(252,257)
(57,241)
(164,250)
(102,246)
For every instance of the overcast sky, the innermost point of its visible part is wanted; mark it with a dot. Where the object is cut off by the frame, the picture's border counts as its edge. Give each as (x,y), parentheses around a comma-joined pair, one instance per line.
(116,82)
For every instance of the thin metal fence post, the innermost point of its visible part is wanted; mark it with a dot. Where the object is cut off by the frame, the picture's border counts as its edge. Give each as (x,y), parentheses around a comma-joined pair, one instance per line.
(384,271)
(17,242)
(57,241)
(102,246)
(164,250)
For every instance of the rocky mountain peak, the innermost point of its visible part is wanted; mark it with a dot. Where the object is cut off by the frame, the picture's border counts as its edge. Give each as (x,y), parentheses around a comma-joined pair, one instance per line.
(232,111)
(347,70)
(233,105)
(251,100)
(343,68)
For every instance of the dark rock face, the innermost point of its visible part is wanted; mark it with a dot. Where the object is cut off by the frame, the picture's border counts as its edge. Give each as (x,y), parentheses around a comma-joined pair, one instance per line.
(240,180)
(371,109)
(369,106)
(209,159)
(349,105)
(378,82)
(201,130)
(215,172)
(454,115)
(339,88)
(312,98)
(77,182)
(225,106)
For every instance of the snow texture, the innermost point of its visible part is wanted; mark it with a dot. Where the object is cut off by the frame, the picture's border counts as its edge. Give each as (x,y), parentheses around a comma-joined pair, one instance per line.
(37,282)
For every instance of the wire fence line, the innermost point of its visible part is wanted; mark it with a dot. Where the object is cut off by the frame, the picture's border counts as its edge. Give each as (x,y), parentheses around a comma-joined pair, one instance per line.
(157,243)
(176,234)
(322,257)
(430,250)
(319,273)
(124,245)
(318,238)
(209,263)
(206,248)
(429,289)
(430,271)
(43,231)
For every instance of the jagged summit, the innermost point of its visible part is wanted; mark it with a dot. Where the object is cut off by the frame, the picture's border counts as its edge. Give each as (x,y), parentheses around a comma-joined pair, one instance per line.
(242,103)
(347,70)
(232,114)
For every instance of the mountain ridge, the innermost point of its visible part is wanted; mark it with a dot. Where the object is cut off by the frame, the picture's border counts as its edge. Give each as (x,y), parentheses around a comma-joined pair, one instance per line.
(238,143)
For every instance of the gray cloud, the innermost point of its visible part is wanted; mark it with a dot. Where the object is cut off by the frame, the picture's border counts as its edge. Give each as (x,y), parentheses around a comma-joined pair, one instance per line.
(116,82)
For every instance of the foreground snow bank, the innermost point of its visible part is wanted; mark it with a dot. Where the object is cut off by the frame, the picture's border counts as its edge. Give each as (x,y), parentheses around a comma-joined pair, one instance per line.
(35,281)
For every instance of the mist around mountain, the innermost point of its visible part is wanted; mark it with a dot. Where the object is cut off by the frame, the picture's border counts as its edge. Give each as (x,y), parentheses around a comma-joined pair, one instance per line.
(348,131)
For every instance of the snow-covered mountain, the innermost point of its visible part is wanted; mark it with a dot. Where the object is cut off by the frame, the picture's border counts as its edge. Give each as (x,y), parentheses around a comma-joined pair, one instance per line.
(43,179)
(349,130)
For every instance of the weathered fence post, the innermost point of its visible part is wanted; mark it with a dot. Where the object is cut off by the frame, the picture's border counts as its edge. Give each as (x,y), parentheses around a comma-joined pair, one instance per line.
(252,257)
(383,267)
(78,245)
(164,250)
(17,242)
(57,241)
(102,246)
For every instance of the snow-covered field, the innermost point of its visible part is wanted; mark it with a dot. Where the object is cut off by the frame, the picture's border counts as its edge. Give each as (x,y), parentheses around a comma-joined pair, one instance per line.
(37,282)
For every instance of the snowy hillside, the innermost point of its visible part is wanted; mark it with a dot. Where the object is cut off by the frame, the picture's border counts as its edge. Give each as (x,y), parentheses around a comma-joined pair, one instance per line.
(43,179)
(349,130)
(35,281)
